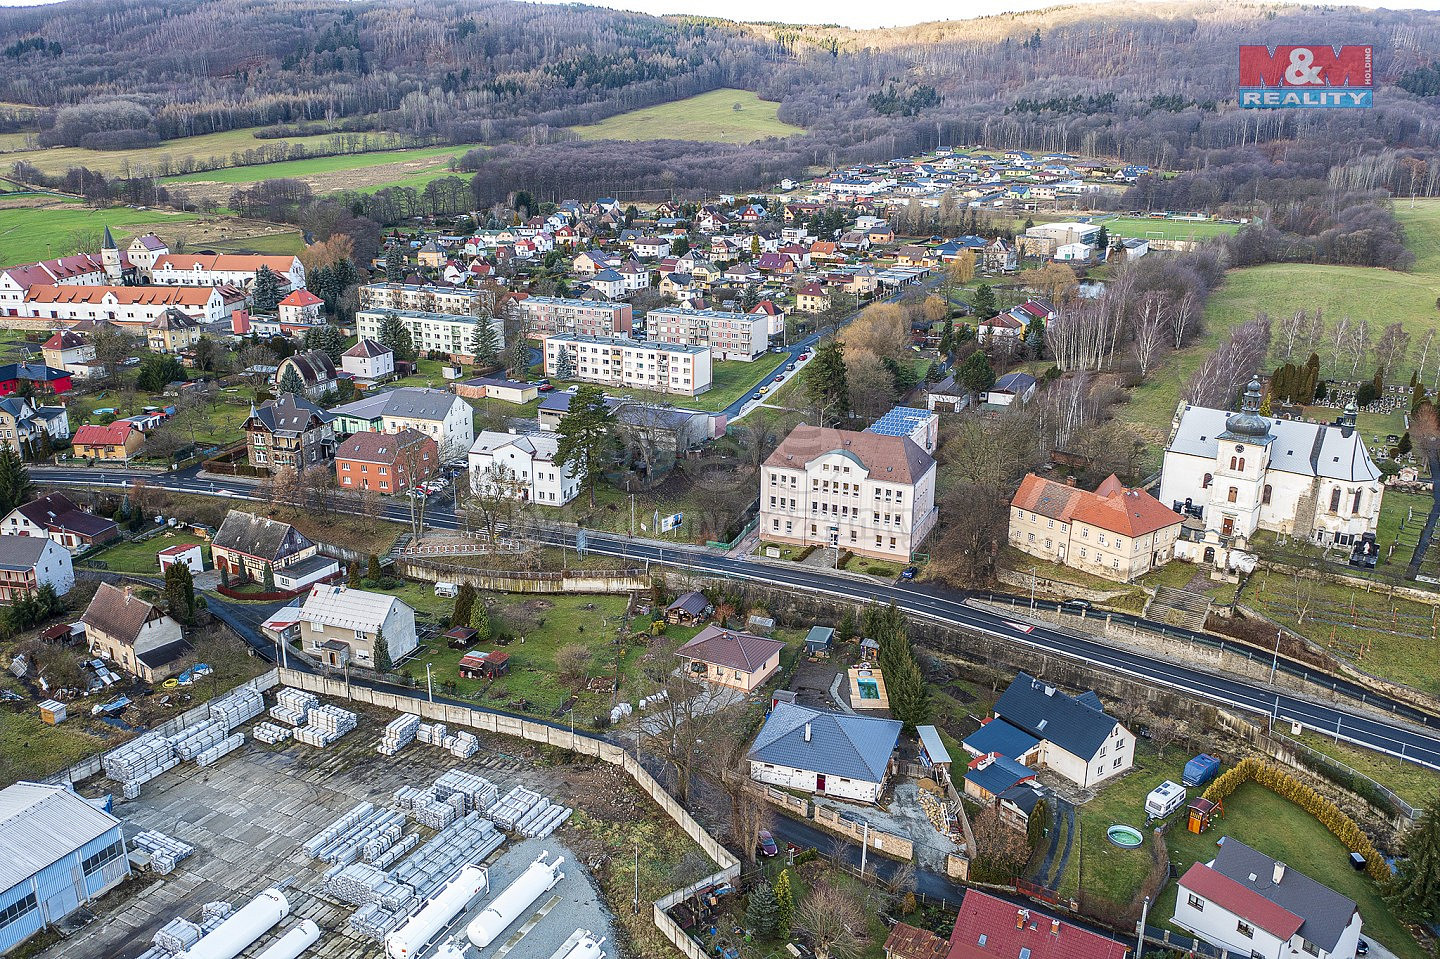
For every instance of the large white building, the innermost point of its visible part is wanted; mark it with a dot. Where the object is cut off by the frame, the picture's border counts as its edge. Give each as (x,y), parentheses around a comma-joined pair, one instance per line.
(1244,902)
(544,315)
(867,493)
(1240,472)
(448,333)
(225,269)
(647,365)
(729,336)
(424,298)
(130,307)
(523,466)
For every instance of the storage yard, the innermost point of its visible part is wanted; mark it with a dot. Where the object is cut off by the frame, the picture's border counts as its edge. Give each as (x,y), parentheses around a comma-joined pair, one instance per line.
(313,831)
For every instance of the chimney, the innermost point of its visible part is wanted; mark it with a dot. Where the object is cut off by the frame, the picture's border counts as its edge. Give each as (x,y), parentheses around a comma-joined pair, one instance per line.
(1055,928)
(1070,481)
(807,732)
(1020,916)
(1279,873)
(129,591)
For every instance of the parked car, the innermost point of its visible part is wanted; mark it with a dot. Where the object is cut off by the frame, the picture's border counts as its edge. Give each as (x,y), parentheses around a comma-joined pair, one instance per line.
(767,844)
(910,572)
(754,396)
(1077,604)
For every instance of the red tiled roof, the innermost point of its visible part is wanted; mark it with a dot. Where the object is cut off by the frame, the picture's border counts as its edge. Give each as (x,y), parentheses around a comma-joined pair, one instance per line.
(999,924)
(113,435)
(1245,903)
(301,298)
(908,942)
(722,647)
(1111,507)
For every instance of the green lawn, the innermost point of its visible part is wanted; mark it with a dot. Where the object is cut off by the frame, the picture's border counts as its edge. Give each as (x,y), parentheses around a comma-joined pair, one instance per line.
(28,234)
(30,749)
(1261,819)
(275,243)
(324,164)
(1417,785)
(140,557)
(709,117)
(1099,868)
(114,162)
(1148,229)
(730,380)
(1399,509)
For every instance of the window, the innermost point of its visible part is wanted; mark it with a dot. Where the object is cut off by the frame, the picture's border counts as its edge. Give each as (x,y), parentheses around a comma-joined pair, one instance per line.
(1232,495)
(1309,947)
(1245,929)
(1265,495)
(1233,461)
(1335,500)
(1205,483)
(16,909)
(1355,504)
(1196,903)
(1117,763)
(96,861)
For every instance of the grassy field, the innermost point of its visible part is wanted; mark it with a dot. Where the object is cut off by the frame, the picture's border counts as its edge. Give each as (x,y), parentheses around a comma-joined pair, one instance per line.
(139,557)
(1261,819)
(1145,228)
(710,117)
(1099,868)
(427,157)
(219,146)
(31,233)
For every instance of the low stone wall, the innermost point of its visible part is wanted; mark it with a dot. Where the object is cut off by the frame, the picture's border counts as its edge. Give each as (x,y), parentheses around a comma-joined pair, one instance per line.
(1053,587)
(896,847)
(505,581)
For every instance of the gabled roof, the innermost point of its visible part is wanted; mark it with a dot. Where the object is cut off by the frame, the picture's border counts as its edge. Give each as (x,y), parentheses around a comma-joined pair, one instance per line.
(723,647)
(1241,900)
(1048,713)
(368,347)
(692,603)
(40,825)
(63,340)
(113,435)
(1016,383)
(290,414)
(908,942)
(888,459)
(173,319)
(21,553)
(1322,913)
(855,747)
(990,928)
(348,608)
(1307,449)
(301,298)
(413,402)
(998,774)
(257,536)
(119,613)
(370,447)
(58,511)
(999,736)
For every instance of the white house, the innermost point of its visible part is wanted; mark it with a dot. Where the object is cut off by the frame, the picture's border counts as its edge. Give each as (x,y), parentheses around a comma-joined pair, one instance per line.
(1011,388)
(339,625)
(442,416)
(1079,252)
(1073,735)
(1242,471)
(830,754)
(226,269)
(521,465)
(190,555)
(1243,901)
(29,562)
(368,360)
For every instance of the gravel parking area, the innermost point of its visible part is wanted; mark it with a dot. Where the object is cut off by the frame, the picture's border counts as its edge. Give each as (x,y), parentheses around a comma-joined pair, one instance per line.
(248,815)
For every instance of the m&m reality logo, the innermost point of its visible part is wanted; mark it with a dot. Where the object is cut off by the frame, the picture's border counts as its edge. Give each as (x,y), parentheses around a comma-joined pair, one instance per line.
(1309,77)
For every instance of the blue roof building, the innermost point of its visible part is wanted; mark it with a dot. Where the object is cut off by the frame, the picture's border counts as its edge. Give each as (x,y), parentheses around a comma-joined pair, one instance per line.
(993,775)
(1001,738)
(1078,739)
(833,754)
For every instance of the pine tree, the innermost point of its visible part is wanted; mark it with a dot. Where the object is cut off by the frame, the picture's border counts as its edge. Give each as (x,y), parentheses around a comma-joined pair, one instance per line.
(909,696)
(290,381)
(269,581)
(180,592)
(565,364)
(984,302)
(266,291)
(785,900)
(826,386)
(480,621)
(762,913)
(586,437)
(846,628)
(372,571)
(328,340)
(395,337)
(16,488)
(1415,891)
(975,373)
(519,359)
(395,265)
(225,576)
(485,345)
(382,653)
(464,606)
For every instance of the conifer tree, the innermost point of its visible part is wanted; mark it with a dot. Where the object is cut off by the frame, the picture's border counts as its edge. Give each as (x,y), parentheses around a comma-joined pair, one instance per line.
(1415,890)
(372,571)
(762,913)
(382,652)
(464,606)
(266,291)
(785,900)
(16,488)
(480,620)
(485,345)
(290,381)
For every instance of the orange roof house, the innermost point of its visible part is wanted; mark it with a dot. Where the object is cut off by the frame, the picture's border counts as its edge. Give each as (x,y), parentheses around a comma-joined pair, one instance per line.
(1115,532)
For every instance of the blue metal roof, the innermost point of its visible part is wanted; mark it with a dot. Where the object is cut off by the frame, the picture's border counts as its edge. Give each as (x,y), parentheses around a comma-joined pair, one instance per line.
(854,747)
(998,736)
(819,637)
(999,775)
(1073,724)
(901,421)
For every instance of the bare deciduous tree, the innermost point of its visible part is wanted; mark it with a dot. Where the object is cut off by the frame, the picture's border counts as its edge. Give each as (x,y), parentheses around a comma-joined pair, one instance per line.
(834,920)
(1149,331)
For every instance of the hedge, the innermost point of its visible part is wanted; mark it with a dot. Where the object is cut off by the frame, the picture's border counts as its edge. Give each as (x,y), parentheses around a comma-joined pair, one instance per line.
(1286,786)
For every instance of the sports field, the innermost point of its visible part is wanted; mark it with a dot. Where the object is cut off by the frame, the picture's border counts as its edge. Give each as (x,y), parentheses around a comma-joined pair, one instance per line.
(1145,228)
(707,118)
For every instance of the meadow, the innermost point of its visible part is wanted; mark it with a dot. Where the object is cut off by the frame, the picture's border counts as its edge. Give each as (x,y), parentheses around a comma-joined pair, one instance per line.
(706,118)
(204,147)
(427,157)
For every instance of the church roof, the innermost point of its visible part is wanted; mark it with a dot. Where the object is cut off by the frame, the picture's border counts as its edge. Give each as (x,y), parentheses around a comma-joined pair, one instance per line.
(1306,449)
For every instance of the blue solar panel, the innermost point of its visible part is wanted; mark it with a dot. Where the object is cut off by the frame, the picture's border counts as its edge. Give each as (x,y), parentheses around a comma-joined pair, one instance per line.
(901,421)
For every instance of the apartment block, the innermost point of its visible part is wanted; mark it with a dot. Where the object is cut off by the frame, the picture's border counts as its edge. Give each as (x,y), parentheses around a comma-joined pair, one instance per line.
(546,315)
(728,336)
(614,361)
(441,332)
(423,298)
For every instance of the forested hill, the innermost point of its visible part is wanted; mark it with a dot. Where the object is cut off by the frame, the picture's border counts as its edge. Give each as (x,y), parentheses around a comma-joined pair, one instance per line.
(1151,83)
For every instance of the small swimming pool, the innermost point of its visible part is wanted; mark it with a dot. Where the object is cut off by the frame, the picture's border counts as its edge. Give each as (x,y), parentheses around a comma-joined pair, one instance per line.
(1124,836)
(868,689)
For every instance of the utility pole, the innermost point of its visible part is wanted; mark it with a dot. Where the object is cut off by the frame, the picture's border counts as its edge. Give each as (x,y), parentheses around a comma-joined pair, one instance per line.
(864,848)
(1140,936)
(637,879)
(429,682)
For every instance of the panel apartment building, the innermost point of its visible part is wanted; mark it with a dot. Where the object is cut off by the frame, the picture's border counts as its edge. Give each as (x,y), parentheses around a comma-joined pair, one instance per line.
(441,332)
(546,315)
(646,365)
(422,298)
(729,336)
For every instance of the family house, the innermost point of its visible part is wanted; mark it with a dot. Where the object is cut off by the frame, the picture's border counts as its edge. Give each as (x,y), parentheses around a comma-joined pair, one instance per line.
(315,369)
(1075,736)
(830,754)
(812,298)
(991,928)
(724,657)
(247,545)
(134,634)
(340,626)
(523,467)
(369,362)
(29,562)
(69,351)
(289,432)
(172,331)
(57,517)
(1114,532)
(385,462)
(114,443)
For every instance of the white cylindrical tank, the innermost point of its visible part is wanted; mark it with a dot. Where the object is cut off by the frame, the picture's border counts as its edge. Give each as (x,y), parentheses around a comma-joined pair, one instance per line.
(294,942)
(582,944)
(417,931)
(517,897)
(232,936)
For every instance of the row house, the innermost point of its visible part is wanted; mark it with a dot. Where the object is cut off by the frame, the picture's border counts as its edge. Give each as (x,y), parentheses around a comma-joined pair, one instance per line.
(612,361)
(133,308)
(728,335)
(225,269)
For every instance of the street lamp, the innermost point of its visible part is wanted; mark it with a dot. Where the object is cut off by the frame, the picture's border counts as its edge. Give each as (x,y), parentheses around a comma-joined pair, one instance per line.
(1033,571)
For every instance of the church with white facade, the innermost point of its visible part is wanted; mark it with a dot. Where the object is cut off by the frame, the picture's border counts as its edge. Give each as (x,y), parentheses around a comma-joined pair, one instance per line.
(1239,472)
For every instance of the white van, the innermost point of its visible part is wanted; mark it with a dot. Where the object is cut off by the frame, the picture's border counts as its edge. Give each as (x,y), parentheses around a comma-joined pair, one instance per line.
(447,589)
(1164,799)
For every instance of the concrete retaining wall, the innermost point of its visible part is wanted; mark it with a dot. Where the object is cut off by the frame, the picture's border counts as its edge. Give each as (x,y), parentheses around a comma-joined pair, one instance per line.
(570,581)
(896,847)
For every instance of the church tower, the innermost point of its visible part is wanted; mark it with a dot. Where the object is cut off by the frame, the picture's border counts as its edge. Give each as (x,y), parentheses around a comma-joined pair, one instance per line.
(110,257)
(1238,490)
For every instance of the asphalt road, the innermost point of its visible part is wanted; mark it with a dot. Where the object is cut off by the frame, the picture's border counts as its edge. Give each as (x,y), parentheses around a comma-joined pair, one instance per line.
(941,606)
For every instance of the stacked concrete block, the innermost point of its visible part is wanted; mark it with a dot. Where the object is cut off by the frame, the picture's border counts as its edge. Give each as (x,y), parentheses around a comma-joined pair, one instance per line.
(237,707)
(222,748)
(269,733)
(176,936)
(399,733)
(292,706)
(191,742)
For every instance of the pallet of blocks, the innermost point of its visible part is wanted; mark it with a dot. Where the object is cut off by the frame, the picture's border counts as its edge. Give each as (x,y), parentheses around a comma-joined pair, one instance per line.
(222,748)
(352,837)
(164,852)
(177,935)
(361,884)
(325,725)
(399,733)
(236,707)
(480,793)
(341,826)
(269,733)
(292,706)
(516,805)
(191,742)
(431,734)
(470,840)
(139,761)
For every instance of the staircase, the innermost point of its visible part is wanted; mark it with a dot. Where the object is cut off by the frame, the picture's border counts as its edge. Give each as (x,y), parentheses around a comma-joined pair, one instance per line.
(1178,607)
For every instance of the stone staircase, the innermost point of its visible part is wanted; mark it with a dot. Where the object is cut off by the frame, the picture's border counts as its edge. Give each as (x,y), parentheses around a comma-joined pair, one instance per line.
(1178,607)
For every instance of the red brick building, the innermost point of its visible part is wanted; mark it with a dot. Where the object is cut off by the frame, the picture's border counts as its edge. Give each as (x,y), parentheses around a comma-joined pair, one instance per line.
(386,462)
